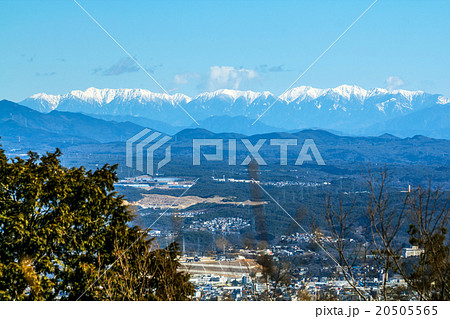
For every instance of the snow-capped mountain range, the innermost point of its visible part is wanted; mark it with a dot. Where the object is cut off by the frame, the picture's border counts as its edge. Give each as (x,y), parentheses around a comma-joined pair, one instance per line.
(346,108)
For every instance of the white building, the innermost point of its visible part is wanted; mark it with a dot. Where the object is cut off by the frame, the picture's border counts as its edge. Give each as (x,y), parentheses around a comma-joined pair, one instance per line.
(412,251)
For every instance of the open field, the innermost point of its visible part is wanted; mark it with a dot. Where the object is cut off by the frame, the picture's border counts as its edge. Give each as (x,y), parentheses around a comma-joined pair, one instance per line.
(156,201)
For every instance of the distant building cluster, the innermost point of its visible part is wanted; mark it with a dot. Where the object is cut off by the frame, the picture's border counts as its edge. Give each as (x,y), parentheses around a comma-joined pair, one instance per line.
(242,280)
(233,180)
(306,238)
(221,224)
(149,182)
(291,250)
(278,184)
(187,214)
(213,287)
(295,183)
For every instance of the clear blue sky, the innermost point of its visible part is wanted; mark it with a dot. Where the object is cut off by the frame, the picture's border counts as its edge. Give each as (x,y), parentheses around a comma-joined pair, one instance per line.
(193,46)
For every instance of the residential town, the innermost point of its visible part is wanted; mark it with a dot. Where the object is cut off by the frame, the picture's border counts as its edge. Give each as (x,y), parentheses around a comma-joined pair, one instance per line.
(241,277)
(221,224)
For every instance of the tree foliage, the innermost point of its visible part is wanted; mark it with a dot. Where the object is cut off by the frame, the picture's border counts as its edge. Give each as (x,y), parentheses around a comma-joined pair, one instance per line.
(63,228)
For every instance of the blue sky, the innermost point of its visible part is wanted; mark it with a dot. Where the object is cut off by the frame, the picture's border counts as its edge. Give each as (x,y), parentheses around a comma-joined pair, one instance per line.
(195,46)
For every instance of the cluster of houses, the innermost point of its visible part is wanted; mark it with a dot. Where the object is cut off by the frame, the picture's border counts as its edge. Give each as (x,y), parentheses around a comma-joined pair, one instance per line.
(221,224)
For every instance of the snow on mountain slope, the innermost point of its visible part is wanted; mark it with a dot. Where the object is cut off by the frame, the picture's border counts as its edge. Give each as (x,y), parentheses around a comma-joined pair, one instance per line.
(47,102)
(101,97)
(443,100)
(300,94)
(232,95)
(347,92)
(344,107)
(104,96)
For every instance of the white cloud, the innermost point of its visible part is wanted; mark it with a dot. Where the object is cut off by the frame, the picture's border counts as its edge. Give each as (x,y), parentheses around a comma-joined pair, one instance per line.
(185,78)
(226,77)
(394,82)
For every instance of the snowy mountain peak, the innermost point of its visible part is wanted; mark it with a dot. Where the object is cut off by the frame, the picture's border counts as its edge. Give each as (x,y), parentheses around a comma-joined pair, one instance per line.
(409,95)
(301,92)
(349,91)
(249,96)
(92,94)
(51,101)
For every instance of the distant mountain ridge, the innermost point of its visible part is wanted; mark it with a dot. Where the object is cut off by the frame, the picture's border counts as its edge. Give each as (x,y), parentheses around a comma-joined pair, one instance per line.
(91,141)
(18,122)
(348,109)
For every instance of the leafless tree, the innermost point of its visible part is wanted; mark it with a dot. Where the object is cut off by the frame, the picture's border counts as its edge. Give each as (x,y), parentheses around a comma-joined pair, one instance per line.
(427,212)
(340,225)
(386,216)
